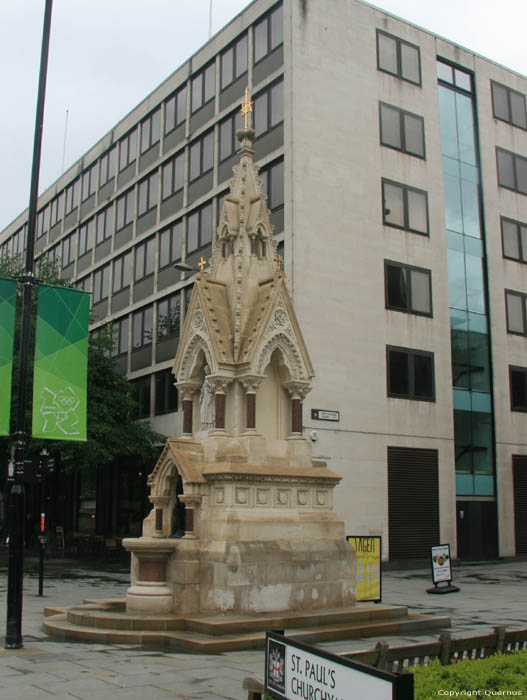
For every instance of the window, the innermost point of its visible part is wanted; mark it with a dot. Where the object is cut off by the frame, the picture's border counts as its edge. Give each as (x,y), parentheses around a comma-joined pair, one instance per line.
(43,218)
(512,171)
(203,87)
(125,209)
(454,76)
(518,388)
(147,194)
(84,284)
(16,244)
(107,166)
(408,288)
(142,327)
(173,174)
(269,108)
(405,207)
(150,130)
(101,284)
(89,182)
(514,239)
(104,224)
(199,228)
(170,244)
(176,109)
(228,139)
(268,34)
(234,61)
(201,155)
(57,209)
(141,394)
(86,237)
(508,105)
(166,392)
(402,130)
(144,259)
(273,184)
(73,195)
(127,150)
(168,316)
(69,249)
(515,305)
(122,272)
(53,254)
(398,57)
(120,337)
(410,374)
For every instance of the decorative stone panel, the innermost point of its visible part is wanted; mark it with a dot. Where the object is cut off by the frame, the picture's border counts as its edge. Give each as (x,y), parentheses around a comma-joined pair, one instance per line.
(302,497)
(262,497)
(282,497)
(241,496)
(322,499)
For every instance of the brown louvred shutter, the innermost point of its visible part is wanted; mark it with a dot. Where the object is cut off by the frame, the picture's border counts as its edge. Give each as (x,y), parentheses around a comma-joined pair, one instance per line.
(519,480)
(413,502)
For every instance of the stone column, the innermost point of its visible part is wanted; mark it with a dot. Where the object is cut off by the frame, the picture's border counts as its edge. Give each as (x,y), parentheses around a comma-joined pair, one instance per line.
(250,384)
(159,503)
(219,387)
(187,391)
(191,503)
(297,390)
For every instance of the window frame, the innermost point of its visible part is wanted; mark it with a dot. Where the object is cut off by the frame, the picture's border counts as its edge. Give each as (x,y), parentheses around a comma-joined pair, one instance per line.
(201,75)
(268,92)
(406,225)
(271,46)
(160,382)
(408,269)
(127,202)
(234,47)
(411,355)
(107,166)
(43,221)
(402,131)
(147,246)
(107,215)
(120,338)
(150,130)
(128,150)
(509,91)
(141,392)
(57,210)
(175,97)
(170,167)
(144,331)
(101,283)
(199,213)
(73,196)
(199,142)
(173,302)
(120,273)
(147,189)
(523,297)
(267,173)
(522,371)
(399,42)
(69,249)
(89,182)
(169,231)
(516,158)
(518,225)
(86,236)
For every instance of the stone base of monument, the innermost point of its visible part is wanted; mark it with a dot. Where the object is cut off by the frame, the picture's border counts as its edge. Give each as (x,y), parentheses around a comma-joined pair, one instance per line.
(107,622)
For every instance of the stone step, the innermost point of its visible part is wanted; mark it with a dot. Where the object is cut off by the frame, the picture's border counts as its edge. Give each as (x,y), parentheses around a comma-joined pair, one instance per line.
(59,627)
(106,615)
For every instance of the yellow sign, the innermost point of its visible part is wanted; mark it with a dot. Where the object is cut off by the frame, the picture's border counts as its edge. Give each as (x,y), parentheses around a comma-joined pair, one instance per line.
(368,578)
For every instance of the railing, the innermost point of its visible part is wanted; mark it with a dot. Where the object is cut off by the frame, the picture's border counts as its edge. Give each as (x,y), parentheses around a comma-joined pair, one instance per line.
(447,649)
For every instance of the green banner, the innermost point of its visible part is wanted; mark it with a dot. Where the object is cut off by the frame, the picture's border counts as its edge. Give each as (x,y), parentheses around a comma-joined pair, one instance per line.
(7,332)
(61,364)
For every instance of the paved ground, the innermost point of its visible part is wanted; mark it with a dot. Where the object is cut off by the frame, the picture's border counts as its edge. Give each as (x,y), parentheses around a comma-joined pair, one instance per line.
(492,593)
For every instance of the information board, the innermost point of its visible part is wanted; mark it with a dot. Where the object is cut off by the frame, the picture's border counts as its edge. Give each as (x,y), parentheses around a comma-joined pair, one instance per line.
(441,569)
(368,579)
(297,671)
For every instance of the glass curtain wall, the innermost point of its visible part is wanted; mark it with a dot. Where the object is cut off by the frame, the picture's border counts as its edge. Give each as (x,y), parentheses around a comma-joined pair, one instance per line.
(473,420)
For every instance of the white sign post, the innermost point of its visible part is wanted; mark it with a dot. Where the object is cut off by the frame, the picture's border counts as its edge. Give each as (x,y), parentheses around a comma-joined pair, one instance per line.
(295,671)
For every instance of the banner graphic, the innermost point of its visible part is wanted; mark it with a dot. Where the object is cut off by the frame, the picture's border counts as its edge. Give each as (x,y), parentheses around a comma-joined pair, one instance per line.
(7,333)
(61,364)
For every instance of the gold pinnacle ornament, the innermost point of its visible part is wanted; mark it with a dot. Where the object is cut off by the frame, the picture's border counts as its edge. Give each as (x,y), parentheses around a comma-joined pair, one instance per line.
(247,106)
(202,262)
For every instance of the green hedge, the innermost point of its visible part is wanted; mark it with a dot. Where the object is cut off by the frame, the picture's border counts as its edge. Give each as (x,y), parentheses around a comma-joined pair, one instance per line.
(499,676)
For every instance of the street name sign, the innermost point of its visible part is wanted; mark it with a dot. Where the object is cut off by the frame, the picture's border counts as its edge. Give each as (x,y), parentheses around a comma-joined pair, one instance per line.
(297,671)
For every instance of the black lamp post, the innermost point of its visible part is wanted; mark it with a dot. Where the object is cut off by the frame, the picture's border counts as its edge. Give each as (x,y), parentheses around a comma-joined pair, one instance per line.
(17,498)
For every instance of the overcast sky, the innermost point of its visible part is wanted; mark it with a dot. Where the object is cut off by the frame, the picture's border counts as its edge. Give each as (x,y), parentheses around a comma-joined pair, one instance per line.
(107,55)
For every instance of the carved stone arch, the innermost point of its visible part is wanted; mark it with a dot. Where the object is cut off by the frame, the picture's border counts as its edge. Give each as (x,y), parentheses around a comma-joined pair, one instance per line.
(189,364)
(289,352)
(165,490)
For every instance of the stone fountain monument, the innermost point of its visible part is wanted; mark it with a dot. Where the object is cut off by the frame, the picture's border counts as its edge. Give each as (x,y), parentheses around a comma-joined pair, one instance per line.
(242,519)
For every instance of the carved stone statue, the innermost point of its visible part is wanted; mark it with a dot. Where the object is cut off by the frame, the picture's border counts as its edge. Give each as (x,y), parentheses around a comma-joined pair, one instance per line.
(206,403)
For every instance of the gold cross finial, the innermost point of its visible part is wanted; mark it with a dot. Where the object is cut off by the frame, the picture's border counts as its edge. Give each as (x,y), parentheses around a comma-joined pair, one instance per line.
(278,260)
(247,106)
(202,263)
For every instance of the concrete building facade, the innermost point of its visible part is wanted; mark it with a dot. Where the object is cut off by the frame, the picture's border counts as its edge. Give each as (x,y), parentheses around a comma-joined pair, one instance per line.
(395,165)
